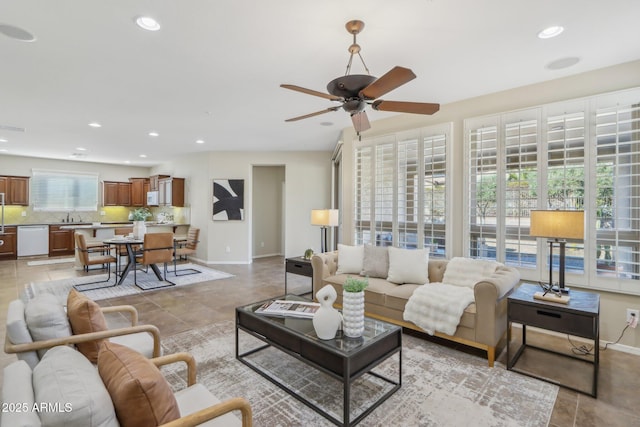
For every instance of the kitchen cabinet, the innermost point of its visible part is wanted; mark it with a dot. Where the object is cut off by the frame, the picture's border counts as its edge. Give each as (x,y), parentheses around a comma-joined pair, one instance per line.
(116,193)
(15,189)
(171,192)
(154,182)
(8,246)
(139,188)
(61,241)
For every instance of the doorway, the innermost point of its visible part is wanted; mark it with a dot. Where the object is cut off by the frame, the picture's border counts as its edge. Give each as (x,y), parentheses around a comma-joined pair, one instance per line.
(268,211)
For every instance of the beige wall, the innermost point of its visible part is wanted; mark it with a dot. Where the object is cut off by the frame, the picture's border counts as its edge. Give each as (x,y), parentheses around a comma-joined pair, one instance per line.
(624,76)
(267,218)
(307,186)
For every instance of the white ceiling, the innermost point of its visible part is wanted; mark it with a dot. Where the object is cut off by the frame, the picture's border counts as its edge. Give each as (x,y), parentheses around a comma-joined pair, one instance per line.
(213,71)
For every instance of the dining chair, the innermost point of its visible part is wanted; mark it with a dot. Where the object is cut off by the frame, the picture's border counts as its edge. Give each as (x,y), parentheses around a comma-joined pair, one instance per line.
(157,248)
(86,259)
(184,249)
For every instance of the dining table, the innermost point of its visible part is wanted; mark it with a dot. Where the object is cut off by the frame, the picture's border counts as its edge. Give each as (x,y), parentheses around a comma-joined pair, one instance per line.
(129,243)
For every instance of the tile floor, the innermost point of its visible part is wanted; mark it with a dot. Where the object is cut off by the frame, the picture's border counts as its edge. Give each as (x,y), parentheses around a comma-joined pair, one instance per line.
(176,310)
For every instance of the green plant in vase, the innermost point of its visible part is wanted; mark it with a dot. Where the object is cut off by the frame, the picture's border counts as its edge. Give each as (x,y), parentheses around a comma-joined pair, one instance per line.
(141,214)
(353,284)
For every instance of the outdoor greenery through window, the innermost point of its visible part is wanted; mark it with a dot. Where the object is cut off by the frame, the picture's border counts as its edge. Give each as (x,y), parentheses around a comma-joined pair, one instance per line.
(400,190)
(64,191)
(577,155)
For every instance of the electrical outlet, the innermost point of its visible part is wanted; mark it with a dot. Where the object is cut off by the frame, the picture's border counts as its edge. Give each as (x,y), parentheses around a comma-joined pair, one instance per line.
(228,249)
(102,213)
(24,213)
(262,244)
(632,316)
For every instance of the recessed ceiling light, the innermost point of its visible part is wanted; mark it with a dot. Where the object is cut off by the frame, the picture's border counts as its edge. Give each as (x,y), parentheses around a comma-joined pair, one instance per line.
(326,123)
(143,156)
(200,141)
(16,33)
(147,23)
(3,150)
(153,134)
(549,32)
(561,63)
(127,161)
(95,125)
(81,149)
(4,140)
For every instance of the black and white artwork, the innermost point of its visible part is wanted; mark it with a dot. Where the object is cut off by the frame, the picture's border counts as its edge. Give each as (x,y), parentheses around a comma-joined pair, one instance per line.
(228,199)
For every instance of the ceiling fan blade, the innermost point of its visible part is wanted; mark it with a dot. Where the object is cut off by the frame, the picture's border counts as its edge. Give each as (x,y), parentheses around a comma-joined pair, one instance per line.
(360,121)
(394,78)
(405,107)
(312,92)
(306,116)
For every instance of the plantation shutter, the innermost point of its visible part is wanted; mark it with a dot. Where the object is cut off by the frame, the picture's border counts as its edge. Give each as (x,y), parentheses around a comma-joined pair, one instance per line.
(435,202)
(363,195)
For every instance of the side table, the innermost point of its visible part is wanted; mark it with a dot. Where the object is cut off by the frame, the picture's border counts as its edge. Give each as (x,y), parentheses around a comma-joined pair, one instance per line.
(580,317)
(298,265)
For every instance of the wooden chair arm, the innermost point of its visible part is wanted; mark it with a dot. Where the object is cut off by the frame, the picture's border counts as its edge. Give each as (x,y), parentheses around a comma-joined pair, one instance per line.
(10,348)
(133,313)
(179,357)
(204,415)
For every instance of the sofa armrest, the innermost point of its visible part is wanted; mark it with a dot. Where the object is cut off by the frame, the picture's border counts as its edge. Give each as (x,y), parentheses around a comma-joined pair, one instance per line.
(324,265)
(204,415)
(9,347)
(179,357)
(131,310)
(489,295)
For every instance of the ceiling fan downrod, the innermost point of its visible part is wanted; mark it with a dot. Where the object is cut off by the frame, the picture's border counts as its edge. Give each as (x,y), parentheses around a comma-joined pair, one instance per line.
(354,27)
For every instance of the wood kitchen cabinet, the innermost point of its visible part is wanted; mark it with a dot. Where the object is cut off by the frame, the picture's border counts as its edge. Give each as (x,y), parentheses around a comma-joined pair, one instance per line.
(61,241)
(154,182)
(15,189)
(171,192)
(8,244)
(139,188)
(116,193)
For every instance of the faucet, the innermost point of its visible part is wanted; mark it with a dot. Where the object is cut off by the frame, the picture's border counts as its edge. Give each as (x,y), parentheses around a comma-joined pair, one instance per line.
(67,216)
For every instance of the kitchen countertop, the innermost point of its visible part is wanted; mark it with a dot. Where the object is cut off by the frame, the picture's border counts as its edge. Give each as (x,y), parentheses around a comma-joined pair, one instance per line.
(90,226)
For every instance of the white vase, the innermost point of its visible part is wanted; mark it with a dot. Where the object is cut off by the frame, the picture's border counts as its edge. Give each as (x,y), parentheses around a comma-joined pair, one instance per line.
(139,229)
(327,319)
(353,313)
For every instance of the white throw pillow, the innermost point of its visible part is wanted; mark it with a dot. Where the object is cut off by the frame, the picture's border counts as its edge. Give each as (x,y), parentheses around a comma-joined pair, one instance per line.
(66,378)
(17,392)
(350,259)
(19,333)
(408,266)
(46,319)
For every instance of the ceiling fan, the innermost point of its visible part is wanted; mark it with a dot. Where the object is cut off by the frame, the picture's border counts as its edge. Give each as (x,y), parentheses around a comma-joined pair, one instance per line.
(356,91)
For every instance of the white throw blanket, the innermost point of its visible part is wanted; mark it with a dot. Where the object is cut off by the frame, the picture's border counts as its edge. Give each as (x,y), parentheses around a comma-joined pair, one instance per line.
(438,307)
(467,271)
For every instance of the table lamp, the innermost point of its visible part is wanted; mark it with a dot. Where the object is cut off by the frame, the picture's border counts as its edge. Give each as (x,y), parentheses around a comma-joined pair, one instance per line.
(324,218)
(556,226)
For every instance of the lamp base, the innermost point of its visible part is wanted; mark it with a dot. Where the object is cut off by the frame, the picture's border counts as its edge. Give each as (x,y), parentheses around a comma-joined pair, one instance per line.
(561,299)
(564,290)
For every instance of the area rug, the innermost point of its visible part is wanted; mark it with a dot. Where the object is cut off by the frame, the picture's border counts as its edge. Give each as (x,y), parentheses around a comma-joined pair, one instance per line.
(440,386)
(50,261)
(61,288)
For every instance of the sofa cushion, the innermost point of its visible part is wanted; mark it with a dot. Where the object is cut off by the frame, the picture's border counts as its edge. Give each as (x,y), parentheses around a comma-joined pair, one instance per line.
(66,379)
(85,317)
(374,293)
(408,266)
(350,259)
(18,332)
(17,393)
(46,319)
(375,262)
(140,394)
(197,397)
(397,298)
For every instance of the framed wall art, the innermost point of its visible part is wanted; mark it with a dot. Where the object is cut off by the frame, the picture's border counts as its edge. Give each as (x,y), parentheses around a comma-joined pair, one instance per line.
(228,199)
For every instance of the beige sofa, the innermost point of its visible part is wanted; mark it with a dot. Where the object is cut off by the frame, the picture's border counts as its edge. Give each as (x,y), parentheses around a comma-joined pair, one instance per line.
(482,325)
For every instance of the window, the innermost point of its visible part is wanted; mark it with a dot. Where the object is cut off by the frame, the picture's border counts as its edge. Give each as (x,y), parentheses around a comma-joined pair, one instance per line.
(577,155)
(64,191)
(400,190)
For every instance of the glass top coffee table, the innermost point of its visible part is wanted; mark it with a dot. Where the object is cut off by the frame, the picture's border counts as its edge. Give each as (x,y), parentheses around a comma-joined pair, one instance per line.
(344,359)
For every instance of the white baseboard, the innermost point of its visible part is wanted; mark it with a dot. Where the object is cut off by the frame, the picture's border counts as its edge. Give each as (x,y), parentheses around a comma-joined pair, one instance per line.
(266,255)
(618,347)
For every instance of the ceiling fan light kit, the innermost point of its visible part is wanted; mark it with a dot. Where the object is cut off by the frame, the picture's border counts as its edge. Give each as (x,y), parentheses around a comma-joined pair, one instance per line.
(356,91)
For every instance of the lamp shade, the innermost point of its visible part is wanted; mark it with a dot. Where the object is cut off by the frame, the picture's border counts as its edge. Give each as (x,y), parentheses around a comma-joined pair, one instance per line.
(324,217)
(557,224)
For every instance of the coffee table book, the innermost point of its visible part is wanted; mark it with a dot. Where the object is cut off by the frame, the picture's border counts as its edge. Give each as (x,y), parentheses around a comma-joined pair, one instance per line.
(283,308)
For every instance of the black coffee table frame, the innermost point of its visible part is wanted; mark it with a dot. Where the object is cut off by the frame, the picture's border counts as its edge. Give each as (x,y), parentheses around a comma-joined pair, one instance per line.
(342,358)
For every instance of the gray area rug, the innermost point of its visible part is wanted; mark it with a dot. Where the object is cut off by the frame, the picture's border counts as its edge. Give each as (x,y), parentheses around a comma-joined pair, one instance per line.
(440,386)
(62,287)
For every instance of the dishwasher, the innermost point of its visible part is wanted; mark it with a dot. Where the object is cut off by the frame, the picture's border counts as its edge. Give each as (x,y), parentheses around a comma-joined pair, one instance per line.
(33,240)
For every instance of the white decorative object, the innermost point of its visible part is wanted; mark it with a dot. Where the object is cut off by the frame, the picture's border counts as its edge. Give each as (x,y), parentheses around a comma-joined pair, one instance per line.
(139,229)
(353,313)
(327,319)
